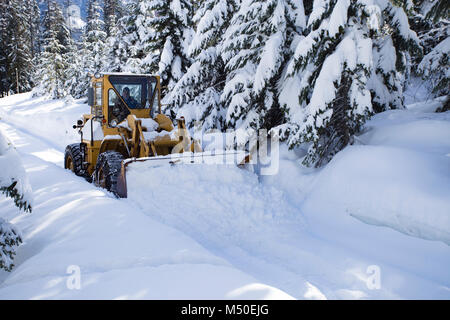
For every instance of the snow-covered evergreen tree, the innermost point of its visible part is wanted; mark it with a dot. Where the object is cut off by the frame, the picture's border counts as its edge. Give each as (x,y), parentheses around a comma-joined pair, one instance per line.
(114,58)
(351,63)
(18,33)
(13,184)
(116,53)
(76,73)
(4,36)
(34,24)
(172,31)
(197,94)
(134,44)
(439,9)
(435,67)
(394,45)
(256,46)
(51,72)
(123,48)
(89,55)
(146,52)
(112,10)
(20,54)
(95,36)
(433,28)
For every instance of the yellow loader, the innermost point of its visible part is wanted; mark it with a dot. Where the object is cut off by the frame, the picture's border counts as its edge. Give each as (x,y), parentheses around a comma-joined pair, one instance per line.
(125,126)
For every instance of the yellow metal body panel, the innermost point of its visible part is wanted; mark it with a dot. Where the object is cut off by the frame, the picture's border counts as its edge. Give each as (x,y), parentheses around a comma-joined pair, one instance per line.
(92,153)
(164,122)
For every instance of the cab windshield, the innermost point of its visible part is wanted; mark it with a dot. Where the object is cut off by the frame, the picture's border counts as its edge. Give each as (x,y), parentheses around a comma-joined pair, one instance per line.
(135,91)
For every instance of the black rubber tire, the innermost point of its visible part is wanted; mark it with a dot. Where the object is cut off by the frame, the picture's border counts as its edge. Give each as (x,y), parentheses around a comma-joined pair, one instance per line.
(73,160)
(107,170)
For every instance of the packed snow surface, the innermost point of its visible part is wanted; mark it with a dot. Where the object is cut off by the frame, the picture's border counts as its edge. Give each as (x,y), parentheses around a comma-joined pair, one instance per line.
(374,223)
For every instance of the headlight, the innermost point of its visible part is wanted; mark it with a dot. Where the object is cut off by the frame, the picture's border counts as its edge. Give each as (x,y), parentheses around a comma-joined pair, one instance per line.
(113,123)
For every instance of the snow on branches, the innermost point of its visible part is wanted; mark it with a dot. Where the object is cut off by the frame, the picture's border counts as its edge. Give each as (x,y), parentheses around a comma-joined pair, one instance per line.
(351,63)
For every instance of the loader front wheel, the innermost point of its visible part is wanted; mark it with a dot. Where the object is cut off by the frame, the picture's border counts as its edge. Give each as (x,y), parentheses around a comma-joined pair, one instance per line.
(73,160)
(107,170)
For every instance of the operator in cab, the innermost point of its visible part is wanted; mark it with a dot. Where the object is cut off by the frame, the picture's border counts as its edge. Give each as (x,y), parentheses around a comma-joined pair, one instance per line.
(129,100)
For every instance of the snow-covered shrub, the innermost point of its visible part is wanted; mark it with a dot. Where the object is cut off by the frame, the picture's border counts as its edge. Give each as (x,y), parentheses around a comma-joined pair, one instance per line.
(13,184)
(445,106)
(10,239)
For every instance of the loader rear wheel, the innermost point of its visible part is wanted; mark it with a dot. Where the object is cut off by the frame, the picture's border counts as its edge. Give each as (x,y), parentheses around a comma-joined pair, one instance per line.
(73,160)
(107,170)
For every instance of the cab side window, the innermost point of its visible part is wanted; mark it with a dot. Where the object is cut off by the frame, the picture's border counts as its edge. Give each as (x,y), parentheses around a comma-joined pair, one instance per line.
(112,98)
(98,96)
(153,100)
(116,109)
(97,101)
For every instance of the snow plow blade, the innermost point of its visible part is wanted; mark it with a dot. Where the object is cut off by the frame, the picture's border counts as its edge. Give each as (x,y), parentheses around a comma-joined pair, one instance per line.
(239,158)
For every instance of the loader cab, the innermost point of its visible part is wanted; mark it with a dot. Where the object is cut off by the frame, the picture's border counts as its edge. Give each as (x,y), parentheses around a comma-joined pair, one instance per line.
(116,95)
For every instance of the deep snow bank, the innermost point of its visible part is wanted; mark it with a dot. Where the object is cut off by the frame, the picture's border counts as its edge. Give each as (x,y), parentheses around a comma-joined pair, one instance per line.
(402,189)
(397,175)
